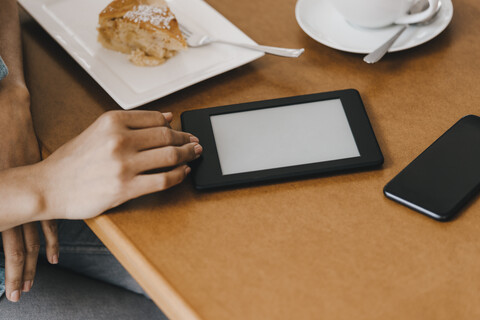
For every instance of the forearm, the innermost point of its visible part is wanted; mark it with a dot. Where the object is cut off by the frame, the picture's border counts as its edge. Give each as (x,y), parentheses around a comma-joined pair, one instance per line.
(21,197)
(10,43)
(18,144)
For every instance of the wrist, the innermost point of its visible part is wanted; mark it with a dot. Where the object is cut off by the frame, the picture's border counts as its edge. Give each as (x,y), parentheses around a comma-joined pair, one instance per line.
(22,194)
(35,205)
(50,204)
(14,95)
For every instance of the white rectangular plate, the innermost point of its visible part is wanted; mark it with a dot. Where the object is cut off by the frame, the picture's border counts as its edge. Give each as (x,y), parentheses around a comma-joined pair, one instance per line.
(73,23)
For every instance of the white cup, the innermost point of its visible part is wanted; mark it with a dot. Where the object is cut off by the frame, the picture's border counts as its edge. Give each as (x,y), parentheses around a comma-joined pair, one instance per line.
(381,13)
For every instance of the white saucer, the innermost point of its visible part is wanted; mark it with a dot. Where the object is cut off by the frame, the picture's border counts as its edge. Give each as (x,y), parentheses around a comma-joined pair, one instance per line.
(324,24)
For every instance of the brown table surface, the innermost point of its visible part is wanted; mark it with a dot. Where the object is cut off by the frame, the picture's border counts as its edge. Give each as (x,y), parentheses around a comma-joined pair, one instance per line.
(324,248)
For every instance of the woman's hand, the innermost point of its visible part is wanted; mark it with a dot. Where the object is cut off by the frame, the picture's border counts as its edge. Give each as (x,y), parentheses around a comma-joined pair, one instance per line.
(21,245)
(107,164)
(19,147)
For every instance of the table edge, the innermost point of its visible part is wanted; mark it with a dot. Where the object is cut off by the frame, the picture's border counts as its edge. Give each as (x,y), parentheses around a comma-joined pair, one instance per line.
(141,269)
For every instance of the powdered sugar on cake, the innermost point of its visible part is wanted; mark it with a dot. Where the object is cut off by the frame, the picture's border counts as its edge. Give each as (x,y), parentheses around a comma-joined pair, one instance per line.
(156,16)
(145,29)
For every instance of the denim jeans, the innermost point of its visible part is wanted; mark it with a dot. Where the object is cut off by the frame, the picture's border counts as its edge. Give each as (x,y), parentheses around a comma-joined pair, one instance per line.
(82,252)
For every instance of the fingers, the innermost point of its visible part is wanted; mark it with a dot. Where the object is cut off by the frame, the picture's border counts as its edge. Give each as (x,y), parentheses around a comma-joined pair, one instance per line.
(168,116)
(136,119)
(160,137)
(148,183)
(31,246)
(21,246)
(14,261)
(50,232)
(166,157)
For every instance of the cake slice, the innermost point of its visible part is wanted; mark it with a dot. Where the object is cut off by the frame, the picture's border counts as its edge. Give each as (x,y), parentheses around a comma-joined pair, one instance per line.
(145,29)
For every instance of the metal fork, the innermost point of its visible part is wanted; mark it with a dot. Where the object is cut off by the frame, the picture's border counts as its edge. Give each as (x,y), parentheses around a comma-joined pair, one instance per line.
(198,40)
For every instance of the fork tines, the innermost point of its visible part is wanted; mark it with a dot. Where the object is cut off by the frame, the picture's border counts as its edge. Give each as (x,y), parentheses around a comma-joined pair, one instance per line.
(184,30)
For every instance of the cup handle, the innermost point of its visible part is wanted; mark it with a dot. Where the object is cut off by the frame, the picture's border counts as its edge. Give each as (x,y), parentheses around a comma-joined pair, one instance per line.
(421,16)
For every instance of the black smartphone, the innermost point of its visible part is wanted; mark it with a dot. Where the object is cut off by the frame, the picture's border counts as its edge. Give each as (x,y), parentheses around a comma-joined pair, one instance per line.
(441,180)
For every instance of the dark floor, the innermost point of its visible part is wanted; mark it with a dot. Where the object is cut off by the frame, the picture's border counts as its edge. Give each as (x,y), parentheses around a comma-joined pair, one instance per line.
(61,294)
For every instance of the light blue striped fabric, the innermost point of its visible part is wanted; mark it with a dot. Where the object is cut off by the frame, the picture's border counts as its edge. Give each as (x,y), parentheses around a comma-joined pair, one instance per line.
(2,281)
(3,69)
(3,74)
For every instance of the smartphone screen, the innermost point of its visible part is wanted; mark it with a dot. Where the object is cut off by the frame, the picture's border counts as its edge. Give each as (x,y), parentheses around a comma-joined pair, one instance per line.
(445,176)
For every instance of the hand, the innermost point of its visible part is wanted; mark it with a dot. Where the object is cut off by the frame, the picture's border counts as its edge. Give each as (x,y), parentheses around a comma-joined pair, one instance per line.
(21,245)
(108,163)
(19,147)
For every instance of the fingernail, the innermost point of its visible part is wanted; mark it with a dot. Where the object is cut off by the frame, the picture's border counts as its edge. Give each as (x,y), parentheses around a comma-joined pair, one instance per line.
(198,149)
(187,170)
(54,259)
(26,286)
(15,296)
(194,139)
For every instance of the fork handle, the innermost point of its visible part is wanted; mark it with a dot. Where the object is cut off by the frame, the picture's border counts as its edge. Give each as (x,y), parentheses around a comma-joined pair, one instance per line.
(378,53)
(283,52)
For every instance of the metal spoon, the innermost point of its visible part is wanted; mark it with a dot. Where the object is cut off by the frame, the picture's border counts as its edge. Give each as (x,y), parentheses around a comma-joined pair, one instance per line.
(378,53)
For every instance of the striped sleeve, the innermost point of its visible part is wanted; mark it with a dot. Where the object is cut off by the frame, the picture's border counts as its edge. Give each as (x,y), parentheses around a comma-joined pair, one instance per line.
(3,69)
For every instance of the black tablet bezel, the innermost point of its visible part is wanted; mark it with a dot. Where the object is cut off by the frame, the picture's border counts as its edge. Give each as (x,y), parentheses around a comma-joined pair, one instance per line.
(206,171)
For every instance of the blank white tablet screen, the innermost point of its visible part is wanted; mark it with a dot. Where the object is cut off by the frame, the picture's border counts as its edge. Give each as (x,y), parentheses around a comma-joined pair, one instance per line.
(283,136)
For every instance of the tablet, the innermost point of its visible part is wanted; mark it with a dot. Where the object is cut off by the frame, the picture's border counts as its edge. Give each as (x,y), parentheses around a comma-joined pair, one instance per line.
(281,139)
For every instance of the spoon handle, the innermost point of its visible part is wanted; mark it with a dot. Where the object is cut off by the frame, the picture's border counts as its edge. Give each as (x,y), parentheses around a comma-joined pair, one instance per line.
(378,53)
